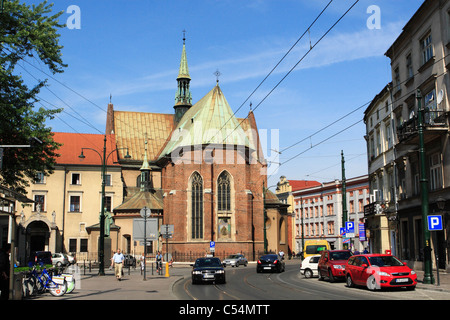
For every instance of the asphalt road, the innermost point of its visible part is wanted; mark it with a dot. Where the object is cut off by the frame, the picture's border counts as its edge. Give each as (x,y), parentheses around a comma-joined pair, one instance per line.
(244,283)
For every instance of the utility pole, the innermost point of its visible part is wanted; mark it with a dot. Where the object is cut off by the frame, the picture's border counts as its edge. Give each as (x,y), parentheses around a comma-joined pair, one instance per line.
(344,197)
(428,275)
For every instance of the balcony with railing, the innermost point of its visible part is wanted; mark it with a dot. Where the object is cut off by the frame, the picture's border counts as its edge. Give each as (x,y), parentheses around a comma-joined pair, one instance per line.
(435,123)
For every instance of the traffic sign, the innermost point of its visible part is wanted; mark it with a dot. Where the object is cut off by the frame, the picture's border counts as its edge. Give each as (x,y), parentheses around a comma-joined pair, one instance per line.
(350,229)
(145,212)
(435,223)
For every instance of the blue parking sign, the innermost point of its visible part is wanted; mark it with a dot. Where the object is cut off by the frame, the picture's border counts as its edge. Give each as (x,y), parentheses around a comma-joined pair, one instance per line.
(435,223)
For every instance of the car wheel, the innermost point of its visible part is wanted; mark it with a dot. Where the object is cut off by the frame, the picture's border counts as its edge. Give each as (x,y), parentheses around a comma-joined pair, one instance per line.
(350,283)
(237,264)
(372,283)
(308,273)
(330,276)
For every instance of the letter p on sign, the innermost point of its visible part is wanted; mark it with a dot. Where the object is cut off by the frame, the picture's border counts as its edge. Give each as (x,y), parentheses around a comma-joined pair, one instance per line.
(435,223)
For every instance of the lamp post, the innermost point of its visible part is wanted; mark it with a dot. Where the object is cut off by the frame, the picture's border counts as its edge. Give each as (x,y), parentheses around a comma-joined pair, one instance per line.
(104,159)
(428,276)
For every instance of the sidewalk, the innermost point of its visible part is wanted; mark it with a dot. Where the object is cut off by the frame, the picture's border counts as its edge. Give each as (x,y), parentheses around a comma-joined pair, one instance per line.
(91,286)
(444,281)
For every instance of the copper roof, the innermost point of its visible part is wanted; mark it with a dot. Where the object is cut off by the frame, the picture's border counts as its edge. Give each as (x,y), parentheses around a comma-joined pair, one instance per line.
(152,199)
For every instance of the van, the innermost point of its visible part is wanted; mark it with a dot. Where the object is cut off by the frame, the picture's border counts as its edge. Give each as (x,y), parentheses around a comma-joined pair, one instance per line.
(313,247)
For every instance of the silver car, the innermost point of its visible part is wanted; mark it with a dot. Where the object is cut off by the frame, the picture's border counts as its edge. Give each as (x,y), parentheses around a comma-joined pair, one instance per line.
(235,260)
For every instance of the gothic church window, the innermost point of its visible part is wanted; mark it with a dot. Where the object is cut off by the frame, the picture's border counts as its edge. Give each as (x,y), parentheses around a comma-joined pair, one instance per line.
(224,192)
(196,206)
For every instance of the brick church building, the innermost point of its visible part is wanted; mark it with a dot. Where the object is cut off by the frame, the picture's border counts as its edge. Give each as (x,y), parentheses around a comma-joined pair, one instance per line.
(198,168)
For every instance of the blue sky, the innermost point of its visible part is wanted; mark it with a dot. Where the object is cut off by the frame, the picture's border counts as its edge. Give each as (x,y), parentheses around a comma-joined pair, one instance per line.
(131,50)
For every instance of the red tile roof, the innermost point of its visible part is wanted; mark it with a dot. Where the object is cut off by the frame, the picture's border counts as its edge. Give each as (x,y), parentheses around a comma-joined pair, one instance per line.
(72,143)
(303,184)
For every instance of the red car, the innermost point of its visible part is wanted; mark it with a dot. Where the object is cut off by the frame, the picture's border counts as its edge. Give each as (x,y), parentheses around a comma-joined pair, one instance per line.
(332,264)
(378,271)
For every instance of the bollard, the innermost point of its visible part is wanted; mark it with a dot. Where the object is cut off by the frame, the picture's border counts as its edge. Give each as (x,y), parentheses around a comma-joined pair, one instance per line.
(167,269)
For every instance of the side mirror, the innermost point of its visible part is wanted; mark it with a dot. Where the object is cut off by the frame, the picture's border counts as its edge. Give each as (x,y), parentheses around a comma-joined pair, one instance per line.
(364,265)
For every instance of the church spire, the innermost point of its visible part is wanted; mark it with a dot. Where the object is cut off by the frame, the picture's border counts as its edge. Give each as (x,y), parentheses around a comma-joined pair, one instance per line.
(183,99)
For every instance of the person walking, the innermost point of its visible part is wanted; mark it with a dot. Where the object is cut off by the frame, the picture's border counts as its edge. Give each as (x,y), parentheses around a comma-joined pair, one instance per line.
(118,259)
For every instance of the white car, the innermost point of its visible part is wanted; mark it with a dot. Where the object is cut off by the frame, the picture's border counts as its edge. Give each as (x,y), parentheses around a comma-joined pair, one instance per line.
(59,259)
(235,260)
(308,266)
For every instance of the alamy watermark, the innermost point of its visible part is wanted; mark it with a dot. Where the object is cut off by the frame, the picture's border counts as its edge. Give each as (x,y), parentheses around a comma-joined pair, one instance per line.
(74,20)
(374,20)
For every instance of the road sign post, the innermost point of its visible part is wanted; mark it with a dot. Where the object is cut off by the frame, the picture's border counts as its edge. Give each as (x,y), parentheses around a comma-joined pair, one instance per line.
(435,224)
(145,213)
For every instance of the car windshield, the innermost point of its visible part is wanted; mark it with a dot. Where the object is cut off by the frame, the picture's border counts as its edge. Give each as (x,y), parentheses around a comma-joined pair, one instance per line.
(208,262)
(385,261)
(341,255)
(233,256)
(313,249)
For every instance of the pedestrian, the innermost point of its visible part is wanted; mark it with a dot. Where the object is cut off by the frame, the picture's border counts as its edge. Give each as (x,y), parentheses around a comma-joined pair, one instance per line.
(4,272)
(118,259)
(158,261)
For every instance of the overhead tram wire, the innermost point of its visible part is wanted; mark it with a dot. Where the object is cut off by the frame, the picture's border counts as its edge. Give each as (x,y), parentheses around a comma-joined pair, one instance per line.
(276,66)
(292,69)
(83,120)
(352,125)
(353,111)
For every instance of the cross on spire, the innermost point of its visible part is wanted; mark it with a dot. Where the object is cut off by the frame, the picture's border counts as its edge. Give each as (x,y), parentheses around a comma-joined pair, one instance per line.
(217,74)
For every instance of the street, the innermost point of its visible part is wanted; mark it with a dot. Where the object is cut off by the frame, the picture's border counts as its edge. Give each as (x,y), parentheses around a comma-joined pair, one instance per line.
(244,283)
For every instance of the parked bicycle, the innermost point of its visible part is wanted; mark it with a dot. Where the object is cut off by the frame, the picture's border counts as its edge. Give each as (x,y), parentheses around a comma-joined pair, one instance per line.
(40,282)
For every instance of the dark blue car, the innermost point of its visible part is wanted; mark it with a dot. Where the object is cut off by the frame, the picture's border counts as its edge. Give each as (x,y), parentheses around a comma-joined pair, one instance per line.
(208,270)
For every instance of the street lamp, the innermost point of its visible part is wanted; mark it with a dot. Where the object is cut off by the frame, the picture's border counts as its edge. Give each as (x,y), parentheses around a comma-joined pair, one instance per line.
(428,275)
(104,159)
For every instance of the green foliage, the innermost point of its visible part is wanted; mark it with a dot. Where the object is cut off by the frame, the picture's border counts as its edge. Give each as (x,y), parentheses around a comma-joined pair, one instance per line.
(27,32)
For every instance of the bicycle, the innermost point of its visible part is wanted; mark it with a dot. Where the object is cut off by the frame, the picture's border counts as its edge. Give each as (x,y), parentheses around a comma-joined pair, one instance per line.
(44,281)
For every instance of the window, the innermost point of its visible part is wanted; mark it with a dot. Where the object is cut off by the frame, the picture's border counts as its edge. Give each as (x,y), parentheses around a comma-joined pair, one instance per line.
(435,171)
(76,178)
(75,202)
(409,67)
(83,245)
(388,137)
(108,203)
(397,83)
(196,206)
(224,192)
(40,178)
(72,245)
(39,204)
(427,48)
(108,180)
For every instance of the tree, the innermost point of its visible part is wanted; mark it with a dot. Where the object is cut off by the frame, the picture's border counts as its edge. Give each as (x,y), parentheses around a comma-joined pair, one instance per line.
(26,32)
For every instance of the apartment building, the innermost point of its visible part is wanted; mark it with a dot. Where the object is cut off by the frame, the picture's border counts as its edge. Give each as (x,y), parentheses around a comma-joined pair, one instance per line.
(318,212)
(381,212)
(420,61)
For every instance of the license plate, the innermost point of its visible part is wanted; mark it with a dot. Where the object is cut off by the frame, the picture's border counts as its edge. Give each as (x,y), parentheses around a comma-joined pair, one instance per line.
(402,280)
(208,276)
(267,268)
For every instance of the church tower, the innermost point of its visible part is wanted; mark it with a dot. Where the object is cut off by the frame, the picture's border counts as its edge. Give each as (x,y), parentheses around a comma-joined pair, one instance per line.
(183,99)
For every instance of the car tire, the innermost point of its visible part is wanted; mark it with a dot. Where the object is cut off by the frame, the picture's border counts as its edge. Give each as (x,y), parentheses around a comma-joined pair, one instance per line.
(350,282)
(330,276)
(372,283)
(308,273)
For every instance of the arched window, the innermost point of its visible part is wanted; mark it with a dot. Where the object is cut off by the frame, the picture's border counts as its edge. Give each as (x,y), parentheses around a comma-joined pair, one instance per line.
(224,192)
(196,206)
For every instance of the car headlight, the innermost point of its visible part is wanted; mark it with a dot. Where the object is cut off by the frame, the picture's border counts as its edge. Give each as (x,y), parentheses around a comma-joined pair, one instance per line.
(196,272)
(413,272)
(382,273)
(220,271)
(337,266)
